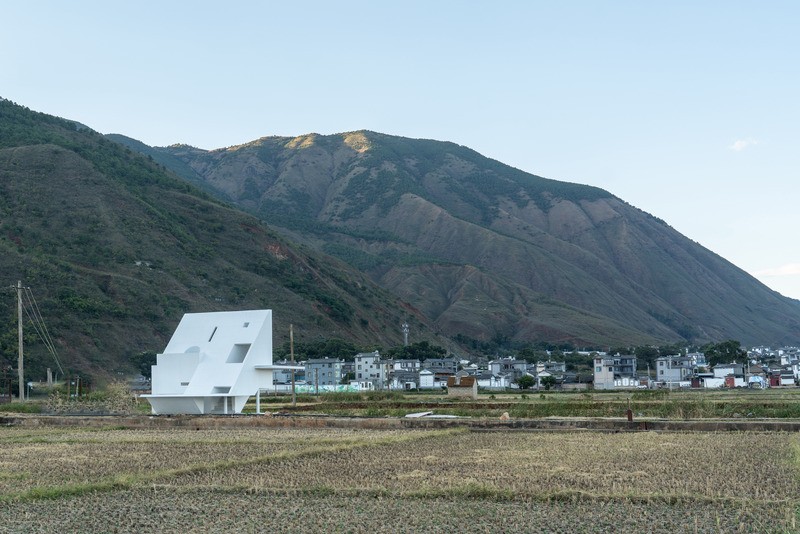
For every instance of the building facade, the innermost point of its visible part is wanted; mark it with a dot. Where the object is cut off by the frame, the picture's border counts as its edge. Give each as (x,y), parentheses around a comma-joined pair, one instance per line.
(323,371)
(615,372)
(675,369)
(369,367)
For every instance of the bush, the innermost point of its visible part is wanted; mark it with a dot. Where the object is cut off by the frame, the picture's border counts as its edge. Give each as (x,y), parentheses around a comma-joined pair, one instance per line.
(116,398)
(21,407)
(650,394)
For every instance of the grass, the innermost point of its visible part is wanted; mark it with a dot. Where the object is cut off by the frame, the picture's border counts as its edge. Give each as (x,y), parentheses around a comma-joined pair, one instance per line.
(20,407)
(662,404)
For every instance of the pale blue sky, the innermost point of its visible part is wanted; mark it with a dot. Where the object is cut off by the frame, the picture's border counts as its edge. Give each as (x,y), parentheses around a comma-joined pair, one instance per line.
(686,109)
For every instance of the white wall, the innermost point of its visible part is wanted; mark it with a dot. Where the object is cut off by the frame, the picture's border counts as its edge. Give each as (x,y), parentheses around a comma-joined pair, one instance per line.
(211,356)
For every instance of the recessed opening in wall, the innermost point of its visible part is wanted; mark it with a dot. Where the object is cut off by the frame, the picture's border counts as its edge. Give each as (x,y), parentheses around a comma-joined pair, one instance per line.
(238,352)
(246,325)
(184,384)
(212,334)
(221,389)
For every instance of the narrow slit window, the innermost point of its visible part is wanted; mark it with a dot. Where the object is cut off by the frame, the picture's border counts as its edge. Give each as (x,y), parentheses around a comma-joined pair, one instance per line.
(212,334)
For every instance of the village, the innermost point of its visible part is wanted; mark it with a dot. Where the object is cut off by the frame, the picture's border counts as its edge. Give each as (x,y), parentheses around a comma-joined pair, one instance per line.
(764,368)
(216,362)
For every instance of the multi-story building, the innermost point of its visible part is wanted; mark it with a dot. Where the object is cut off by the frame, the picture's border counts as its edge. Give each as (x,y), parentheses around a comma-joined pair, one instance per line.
(323,371)
(615,372)
(511,366)
(674,369)
(370,368)
(404,374)
(441,365)
(406,365)
(554,368)
(698,358)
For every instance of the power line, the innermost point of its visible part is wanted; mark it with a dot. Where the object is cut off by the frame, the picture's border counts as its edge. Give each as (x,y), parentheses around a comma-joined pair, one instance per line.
(35,316)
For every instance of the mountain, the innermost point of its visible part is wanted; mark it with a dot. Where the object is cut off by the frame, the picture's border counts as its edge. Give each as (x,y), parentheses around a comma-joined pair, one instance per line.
(116,248)
(486,251)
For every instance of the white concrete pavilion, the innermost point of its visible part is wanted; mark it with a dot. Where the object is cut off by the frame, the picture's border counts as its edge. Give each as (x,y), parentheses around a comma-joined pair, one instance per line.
(214,363)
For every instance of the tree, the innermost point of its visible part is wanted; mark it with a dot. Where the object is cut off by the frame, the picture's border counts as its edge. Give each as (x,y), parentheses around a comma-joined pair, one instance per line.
(724,352)
(417,351)
(648,355)
(528,354)
(327,348)
(548,382)
(144,362)
(526,382)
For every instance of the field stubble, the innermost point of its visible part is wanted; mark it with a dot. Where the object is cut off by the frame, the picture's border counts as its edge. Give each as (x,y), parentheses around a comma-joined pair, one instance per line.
(291,480)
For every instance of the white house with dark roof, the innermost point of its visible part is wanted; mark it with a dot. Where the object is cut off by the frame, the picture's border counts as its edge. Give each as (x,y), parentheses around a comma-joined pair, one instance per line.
(214,363)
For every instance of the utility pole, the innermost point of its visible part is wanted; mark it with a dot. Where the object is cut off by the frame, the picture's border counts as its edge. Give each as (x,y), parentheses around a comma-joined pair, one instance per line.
(669,366)
(291,352)
(20,367)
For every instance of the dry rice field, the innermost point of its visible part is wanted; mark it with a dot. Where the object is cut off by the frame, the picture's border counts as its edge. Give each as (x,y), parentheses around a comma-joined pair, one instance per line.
(350,480)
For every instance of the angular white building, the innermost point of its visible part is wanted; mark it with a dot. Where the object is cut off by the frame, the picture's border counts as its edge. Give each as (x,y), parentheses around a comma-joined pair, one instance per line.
(214,363)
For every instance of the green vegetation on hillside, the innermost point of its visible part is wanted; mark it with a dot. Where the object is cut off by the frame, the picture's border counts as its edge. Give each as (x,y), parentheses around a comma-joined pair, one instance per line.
(116,249)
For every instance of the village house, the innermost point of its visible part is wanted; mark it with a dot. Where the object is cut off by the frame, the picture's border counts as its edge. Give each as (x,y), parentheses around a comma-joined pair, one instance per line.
(324,371)
(731,373)
(512,366)
(616,372)
(487,380)
(404,380)
(284,376)
(554,368)
(446,366)
(781,378)
(442,368)
(674,370)
(462,385)
(370,368)
(427,379)
(698,359)
(406,365)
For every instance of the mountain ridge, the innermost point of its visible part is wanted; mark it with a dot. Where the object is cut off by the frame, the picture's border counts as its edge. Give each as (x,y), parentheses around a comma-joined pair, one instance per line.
(390,205)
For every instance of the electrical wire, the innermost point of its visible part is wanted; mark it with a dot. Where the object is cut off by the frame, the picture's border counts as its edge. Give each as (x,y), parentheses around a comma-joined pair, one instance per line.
(35,316)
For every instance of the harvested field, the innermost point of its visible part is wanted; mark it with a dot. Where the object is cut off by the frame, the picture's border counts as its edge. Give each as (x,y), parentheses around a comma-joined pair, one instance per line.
(349,480)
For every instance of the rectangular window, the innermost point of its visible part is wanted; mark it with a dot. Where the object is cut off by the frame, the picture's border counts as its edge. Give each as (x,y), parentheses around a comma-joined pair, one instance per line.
(238,352)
